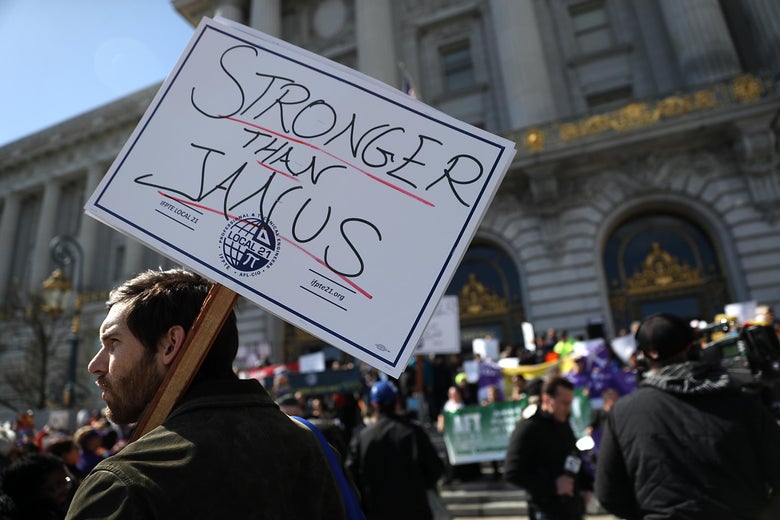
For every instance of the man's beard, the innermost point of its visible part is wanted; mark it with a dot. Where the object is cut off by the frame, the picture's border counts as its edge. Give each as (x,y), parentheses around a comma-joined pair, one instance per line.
(128,396)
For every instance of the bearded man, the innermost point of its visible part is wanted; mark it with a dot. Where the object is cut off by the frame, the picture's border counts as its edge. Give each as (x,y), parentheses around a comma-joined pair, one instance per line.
(224,451)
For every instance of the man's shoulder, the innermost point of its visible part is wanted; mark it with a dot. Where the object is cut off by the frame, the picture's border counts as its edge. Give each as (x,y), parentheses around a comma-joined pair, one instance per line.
(391,425)
(535,423)
(157,446)
(641,394)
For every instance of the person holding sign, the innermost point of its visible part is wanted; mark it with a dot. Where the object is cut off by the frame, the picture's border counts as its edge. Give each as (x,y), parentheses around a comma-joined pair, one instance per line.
(224,451)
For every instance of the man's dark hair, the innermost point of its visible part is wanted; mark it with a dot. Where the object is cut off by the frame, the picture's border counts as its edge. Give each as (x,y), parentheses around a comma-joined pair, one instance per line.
(159,300)
(666,336)
(61,446)
(552,385)
(24,480)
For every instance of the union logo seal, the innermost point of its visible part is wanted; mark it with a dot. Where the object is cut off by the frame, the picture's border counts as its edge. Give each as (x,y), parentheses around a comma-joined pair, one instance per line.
(249,245)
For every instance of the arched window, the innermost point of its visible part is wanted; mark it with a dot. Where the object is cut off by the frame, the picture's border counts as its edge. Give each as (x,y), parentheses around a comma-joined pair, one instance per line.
(662,263)
(487,285)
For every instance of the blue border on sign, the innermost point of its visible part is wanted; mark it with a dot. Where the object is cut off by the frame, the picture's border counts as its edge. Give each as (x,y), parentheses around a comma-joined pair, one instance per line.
(219,272)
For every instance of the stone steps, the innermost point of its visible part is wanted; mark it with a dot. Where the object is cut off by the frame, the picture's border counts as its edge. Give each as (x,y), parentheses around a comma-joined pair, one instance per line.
(484,499)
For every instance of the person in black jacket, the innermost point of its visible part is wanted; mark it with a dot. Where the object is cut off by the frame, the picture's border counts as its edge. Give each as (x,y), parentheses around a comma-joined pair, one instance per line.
(687,444)
(35,487)
(393,462)
(542,458)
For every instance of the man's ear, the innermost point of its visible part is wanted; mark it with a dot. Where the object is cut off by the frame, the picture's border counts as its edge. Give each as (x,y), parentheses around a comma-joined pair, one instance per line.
(171,344)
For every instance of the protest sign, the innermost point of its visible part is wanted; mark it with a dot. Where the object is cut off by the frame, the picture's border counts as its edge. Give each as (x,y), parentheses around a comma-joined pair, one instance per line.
(532,371)
(490,374)
(480,433)
(743,311)
(318,383)
(624,347)
(329,199)
(486,348)
(442,335)
(314,362)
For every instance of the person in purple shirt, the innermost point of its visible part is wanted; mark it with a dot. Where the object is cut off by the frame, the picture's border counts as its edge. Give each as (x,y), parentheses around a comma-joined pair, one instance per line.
(600,380)
(579,375)
(624,380)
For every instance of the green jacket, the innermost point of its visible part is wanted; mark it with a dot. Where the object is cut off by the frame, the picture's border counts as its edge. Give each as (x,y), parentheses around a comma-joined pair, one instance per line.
(225,451)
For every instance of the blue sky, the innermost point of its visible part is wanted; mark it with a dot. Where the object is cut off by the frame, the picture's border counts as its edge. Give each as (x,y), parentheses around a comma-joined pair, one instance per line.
(61,58)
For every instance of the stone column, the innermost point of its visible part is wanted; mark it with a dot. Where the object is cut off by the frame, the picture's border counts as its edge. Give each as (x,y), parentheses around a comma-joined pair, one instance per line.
(134,258)
(522,63)
(266,16)
(10,217)
(758,161)
(88,231)
(41,258)
(375,43)
(701,40)
(231,9)
(763,17)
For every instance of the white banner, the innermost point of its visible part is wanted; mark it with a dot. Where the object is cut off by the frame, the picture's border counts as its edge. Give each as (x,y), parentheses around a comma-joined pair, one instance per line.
(335,202)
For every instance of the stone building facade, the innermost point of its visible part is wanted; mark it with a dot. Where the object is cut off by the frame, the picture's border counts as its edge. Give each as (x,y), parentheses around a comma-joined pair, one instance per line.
(646,176)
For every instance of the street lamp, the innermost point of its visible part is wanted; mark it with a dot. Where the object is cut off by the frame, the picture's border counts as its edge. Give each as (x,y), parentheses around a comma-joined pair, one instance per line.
(65,251)
(56,291)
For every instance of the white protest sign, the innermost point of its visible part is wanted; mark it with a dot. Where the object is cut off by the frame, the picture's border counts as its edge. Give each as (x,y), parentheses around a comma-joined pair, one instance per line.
(332,201)
(529,336)
(624,347)
(314,362)
(442,335)
(487,348)
(743,311)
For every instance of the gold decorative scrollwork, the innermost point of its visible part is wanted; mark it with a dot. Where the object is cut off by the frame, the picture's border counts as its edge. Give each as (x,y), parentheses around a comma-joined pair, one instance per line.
(746,88)
(660,271)
(637,115)
(476,300)
(533,139)
(634,115)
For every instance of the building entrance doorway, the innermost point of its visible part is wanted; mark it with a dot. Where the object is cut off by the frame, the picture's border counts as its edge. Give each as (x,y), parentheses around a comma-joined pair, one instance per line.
(487,285)
(663,263)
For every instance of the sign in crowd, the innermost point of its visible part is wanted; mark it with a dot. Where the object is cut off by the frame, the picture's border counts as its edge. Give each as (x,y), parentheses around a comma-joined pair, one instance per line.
(480,433)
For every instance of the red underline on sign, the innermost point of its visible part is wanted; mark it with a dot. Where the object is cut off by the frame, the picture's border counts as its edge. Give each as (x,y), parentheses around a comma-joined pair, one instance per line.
(364,172)
(308,253)
(280,172)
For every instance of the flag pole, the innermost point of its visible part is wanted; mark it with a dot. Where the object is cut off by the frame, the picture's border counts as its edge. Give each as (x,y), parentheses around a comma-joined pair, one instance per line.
(414,92)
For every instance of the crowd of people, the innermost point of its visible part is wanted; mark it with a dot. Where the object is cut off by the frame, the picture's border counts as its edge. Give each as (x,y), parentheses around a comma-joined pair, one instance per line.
(40,469)
(650,413)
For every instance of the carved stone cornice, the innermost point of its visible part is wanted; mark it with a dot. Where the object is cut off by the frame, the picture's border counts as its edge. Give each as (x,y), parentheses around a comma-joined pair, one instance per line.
(543,183)
(194,10)
(545,203)
(759,161)
(92,137)
(716,103)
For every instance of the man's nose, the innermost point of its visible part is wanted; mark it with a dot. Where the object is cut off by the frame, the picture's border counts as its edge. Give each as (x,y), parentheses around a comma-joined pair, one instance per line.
(99,364)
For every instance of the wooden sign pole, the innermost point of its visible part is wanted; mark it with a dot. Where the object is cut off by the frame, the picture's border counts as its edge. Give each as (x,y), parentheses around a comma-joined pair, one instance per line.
(215,310)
